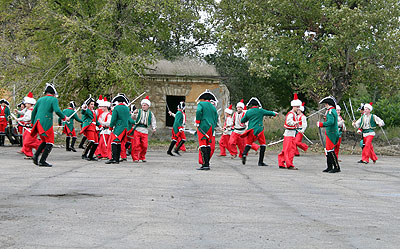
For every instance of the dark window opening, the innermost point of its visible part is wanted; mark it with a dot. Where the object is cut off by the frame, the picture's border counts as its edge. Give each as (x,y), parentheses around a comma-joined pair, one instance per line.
(172,104)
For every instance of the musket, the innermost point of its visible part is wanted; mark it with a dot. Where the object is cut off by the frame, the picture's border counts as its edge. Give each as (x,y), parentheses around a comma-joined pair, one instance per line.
(316,112)
(136,98)
(351,107)
(347,111)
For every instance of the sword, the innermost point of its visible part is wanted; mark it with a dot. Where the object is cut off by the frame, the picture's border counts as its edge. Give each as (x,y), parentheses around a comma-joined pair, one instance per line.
(277,142)
(304,135)
(136,98)
(384,133)
(205,134)
(104,138)
(316,112)
(347,111)
(352,112)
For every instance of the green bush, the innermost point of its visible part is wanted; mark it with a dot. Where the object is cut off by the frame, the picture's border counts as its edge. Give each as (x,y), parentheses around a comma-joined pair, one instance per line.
(389,110)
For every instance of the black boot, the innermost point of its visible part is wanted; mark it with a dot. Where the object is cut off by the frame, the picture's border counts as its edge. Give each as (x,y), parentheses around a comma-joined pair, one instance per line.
(178,147)
(46,152)
(245,152)
(206,160)
(86,151)
(67,140)
(39,150)
(114,151)
(261,156)
(336,167)
(82,143)
(171,146)
(72,144)
(91,153)
(2,139)
(117,157)
(328,163)
(128,148)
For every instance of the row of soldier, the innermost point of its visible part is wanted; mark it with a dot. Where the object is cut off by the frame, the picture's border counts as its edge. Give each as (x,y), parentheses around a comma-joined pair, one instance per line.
(113,129)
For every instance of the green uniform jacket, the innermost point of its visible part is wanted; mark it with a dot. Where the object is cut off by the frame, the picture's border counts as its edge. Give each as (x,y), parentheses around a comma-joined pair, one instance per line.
(88,118)
(6,112)
(42,114)
(331,125)
(68,112)
(255,116)
(121,120)
(206,117)
(178,122)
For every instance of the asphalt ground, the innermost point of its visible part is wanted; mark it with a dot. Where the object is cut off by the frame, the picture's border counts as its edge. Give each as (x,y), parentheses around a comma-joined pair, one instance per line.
(167,203)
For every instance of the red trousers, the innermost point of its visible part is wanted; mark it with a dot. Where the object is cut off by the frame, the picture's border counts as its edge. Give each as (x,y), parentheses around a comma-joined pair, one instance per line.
(236,140)
(287,153)
(3,126)
(212,145)
(224,145)
(29,143)
(368,151)
(337,147)
(299,144)
(139,146)
(104,146)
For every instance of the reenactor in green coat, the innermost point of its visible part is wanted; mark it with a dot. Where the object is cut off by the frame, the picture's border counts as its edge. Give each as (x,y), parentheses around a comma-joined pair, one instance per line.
(69,129)
(332,134)
(206,122)
(4,114)
(178,129)
(120,123)
(89,129)
(42,120)
(255,129)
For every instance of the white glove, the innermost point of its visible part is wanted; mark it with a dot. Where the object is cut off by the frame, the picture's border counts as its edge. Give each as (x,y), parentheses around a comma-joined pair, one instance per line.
(84,107)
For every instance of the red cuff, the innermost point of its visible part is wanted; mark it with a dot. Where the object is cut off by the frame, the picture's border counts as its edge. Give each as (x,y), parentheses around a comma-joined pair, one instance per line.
(197,121)
(320,124)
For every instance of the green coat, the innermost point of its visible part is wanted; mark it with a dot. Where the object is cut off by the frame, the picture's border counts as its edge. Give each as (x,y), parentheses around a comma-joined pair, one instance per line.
(206,117)
(331,125)
(88,118)
(255,116)
(178,122)
(121,119)
(68,112)
(42,113)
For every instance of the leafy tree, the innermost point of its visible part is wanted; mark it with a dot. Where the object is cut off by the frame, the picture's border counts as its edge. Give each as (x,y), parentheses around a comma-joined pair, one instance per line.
(335,45)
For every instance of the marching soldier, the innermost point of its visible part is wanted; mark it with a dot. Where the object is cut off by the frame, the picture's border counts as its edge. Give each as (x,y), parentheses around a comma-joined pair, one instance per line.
(366,126)
(178,130)
(120,123)
(206,122)
(285,158)
(4,119)
(89,129)
(255,130)
(68,127)
(332,134)
(42,119)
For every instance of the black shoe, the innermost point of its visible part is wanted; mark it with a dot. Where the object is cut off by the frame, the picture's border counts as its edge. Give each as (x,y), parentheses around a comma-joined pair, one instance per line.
(72,149)
(68,149)
(91,159)
(333,171)
(297,155)
(123,160)
(244,160)
(177,153)
(361,161)
(170,153)
(112,161)
(35,160)
(204,168)
(262,164)
(45,164)
(292,168)
(327,170)
(84,157)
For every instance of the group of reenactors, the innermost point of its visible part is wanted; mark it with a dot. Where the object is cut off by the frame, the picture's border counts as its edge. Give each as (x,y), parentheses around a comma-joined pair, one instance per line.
(114,129)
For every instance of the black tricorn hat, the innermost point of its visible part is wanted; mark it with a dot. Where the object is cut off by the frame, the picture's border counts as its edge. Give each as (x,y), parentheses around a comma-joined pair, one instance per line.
(121,98)
(50,89)
(4,101)
(207,95)
(254,102)
(330,100)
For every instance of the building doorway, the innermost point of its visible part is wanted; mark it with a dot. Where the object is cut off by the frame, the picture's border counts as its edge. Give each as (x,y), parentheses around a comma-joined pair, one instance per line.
(172,104)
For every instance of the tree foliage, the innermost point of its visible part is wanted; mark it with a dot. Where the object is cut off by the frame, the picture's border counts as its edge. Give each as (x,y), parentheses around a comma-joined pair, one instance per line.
(335,45)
